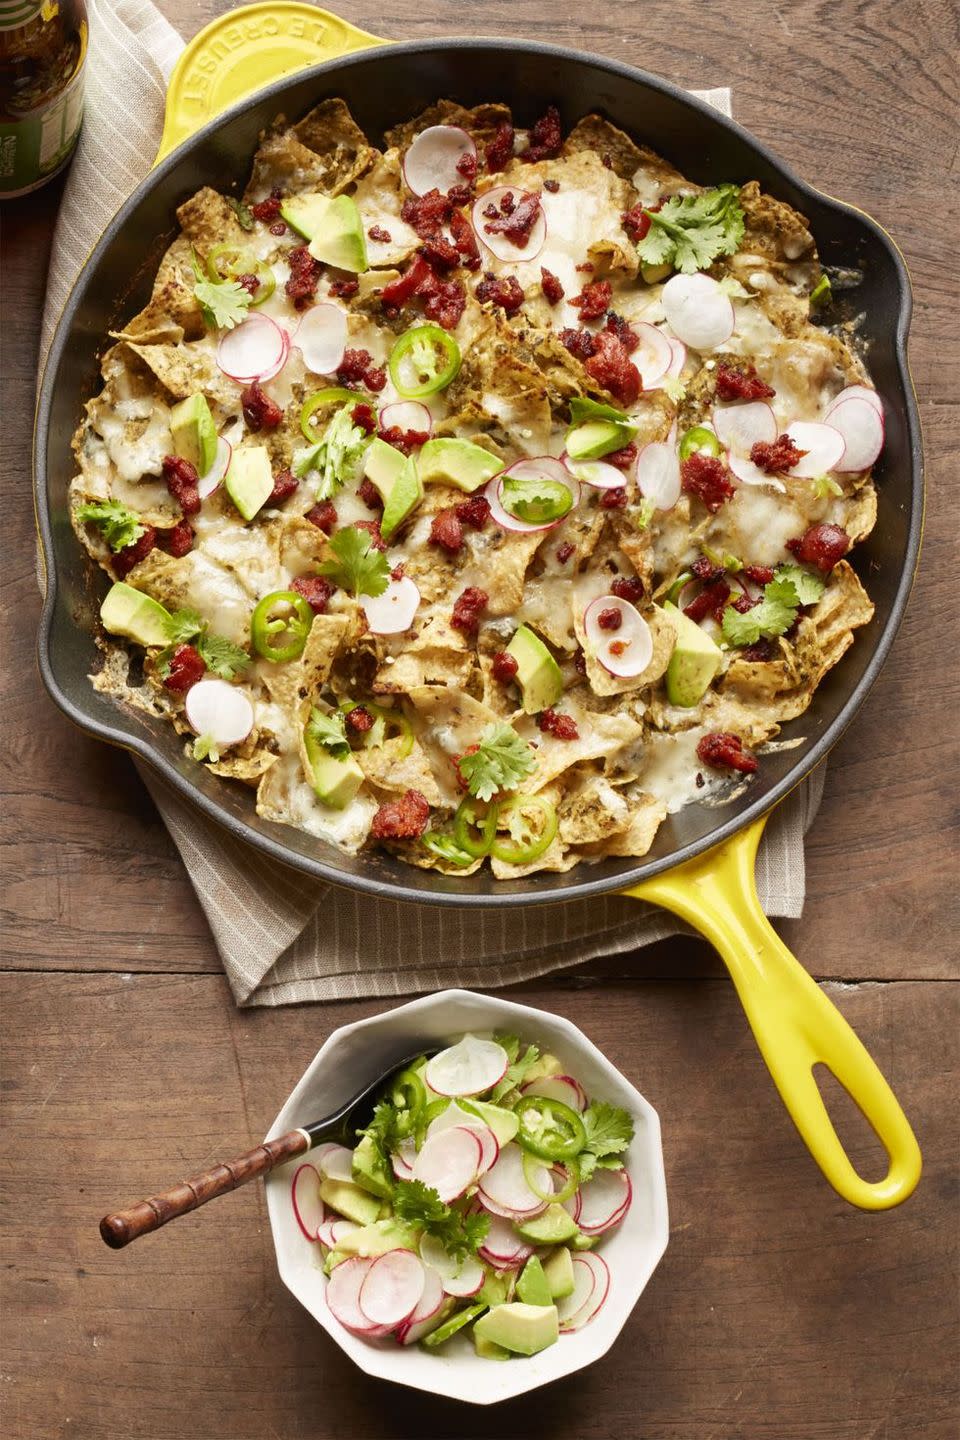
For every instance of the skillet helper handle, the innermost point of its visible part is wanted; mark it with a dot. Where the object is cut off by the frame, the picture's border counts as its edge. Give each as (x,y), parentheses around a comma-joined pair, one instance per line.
(794,1023)
(245,49)
(120,1228)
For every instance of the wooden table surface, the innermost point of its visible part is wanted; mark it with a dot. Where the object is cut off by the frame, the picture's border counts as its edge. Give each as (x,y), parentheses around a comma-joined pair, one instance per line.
(778,1312)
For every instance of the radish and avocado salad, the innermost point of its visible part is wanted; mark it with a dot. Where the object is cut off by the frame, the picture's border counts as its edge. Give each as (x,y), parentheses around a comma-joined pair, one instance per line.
(473,1200)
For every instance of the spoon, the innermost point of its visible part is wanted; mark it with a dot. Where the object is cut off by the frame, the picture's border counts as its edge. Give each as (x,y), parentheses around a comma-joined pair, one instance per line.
(123,1226)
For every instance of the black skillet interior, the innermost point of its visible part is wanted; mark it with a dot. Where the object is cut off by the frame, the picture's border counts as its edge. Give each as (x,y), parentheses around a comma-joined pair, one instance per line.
(382,87)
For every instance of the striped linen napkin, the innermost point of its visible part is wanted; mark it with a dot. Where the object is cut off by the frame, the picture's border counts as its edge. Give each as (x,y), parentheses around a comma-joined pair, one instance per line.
(284,938)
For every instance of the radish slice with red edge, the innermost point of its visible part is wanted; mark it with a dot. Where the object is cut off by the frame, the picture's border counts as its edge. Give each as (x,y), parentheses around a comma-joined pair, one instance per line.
(855,392)
(220,711)
(678,358)
(502,1246)
(307,1204)
(824,446)
(633,636)
(333,1230)
(343,1296)
(697,311)
(558,1087)
(406,415)
(576,1319)
(739,427)
(449,1162)
(604,1200)
(221,464)
(584,1284)
(403,1157)
(256,349)
(658,474)
(596,473)
(321,338)
(749,474)
(337,1163)
(450,1116)
(392,1288)
(431,160)
(505,1185)
(489,1147)
(498,244)
(410,1331)
(541,467)
(861,427)
(392,612)
(467,1068)
(653,356)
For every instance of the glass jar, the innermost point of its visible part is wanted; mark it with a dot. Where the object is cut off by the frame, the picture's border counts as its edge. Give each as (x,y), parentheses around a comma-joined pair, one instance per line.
(43,48)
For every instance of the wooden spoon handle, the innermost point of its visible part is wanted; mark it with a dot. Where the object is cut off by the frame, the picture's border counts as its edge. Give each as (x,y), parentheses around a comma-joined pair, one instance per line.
(125,1225)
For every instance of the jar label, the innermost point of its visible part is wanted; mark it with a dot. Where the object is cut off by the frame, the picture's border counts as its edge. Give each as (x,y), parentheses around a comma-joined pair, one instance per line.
(36,146)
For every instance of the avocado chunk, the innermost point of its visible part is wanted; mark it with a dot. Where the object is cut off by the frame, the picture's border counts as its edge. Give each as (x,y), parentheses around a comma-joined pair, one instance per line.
(543,1068)
(694,662)
(457,462)
(334,781)
(377,1238)
(194,433)
(553,1227)
(558,1269)
(593,439)
(333,227)
(395,477)
(533,1287)
(523,1329)
(584,1242)
(538,674)
(493,1291)
(369,1169)
(486,1348)
(249,480)
(451,1326)
(350,1201)
(126,611)
(503,1123)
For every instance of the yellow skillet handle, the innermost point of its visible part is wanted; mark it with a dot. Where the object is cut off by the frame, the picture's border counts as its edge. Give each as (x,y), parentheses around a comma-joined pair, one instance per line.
(793,1022)
(245,49)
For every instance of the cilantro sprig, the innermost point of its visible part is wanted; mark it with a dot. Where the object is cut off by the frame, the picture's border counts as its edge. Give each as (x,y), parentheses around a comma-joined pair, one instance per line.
(119,526)
(459,1234)
(224,303)
(336,456)
(330,732)
(609,1132)
(220,655)
(790,588)
(689,232)
(359,567)
(516,1071)
(500,762)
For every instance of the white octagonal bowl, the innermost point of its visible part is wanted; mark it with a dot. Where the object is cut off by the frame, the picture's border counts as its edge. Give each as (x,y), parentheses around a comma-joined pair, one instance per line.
(356,1053)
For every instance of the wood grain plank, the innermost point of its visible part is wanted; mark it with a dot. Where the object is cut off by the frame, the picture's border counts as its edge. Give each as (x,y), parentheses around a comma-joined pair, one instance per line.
(778,1313)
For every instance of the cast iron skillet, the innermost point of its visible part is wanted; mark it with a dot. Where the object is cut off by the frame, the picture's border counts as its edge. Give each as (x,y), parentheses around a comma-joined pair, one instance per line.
(714,887)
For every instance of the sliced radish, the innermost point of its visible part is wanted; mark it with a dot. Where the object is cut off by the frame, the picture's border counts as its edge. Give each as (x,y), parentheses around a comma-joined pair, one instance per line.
(604,1201)
(220,711)
(452,1115)
(855,392)
(321,338)
(392,1288)
(653,356)
(307,1204)
(597,1266)
(406,415)
(861,427)
(343,1296)
(431,161)
(749,474)
(739,427)
(403,1157)
(333,1229)
(697,311)
(409,1331)
(214,476)
(584,1284)
(503,1247)
(633,636)
(559,1087)
(449,1162)
(658,474)
(596,473)
(506,1189)
(337,1163)
(467,1068)
(256,349)
(678,358)
(392,612)
(824,446)
(499,245)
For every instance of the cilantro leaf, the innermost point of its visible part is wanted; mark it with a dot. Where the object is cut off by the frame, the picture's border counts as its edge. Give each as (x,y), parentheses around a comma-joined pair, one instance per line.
(358,567)
(515,1073)
(689,232)
(243,213)
(419,1204)
(183,625)
(119,526)
(222,657)
(500,762)
(224,302)
(809,586)
(337,455)
(330,732)
(773,616)
(609,1132)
